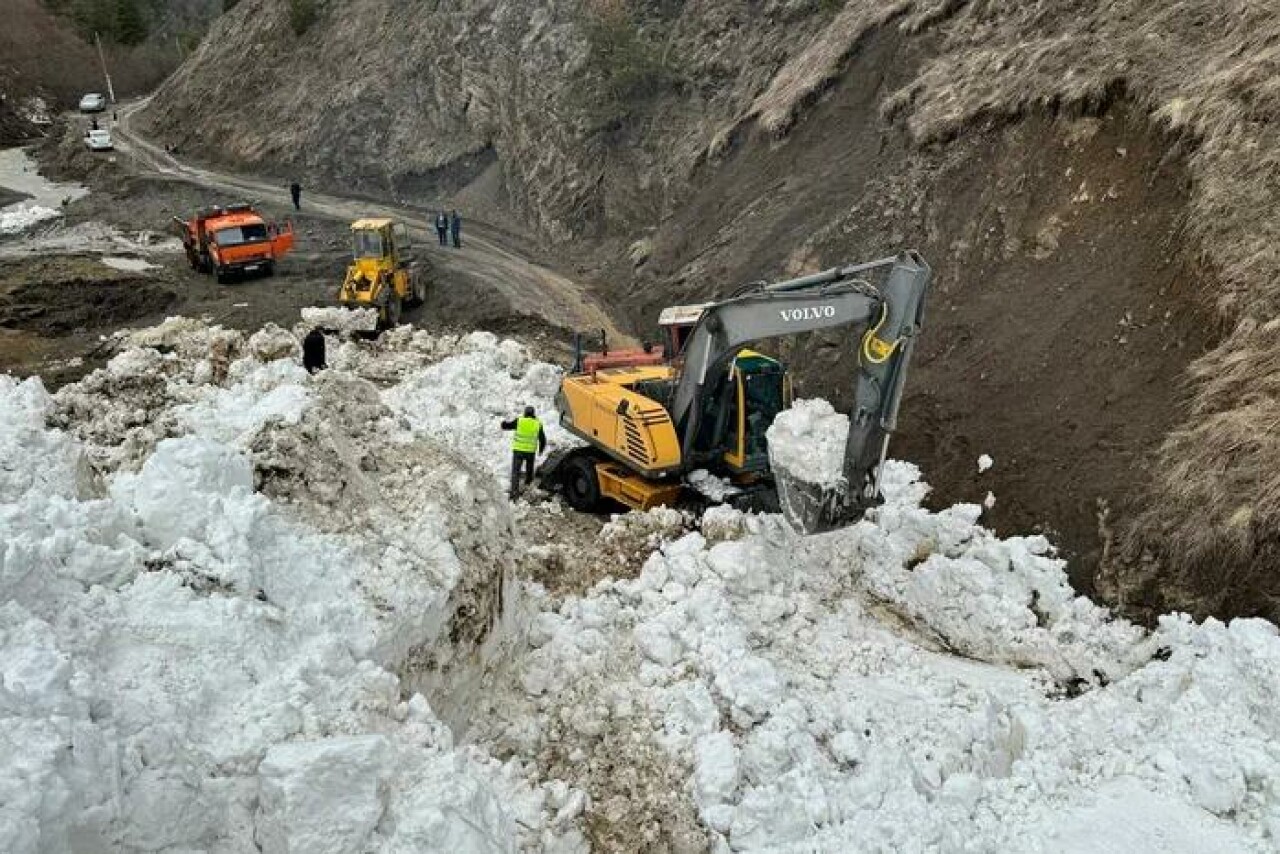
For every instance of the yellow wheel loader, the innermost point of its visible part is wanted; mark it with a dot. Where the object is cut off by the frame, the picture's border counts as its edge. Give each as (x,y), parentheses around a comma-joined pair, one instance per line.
(383,273)
(646,427)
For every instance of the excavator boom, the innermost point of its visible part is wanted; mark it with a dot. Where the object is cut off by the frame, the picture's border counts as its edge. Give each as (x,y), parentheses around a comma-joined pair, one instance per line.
(841,296)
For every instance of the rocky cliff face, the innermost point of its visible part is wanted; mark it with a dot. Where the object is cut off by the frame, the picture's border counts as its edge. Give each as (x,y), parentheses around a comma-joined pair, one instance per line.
(594,113)
(1090,181)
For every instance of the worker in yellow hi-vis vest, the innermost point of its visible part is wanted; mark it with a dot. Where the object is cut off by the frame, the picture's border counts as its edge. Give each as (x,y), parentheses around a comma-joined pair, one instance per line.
(527,441)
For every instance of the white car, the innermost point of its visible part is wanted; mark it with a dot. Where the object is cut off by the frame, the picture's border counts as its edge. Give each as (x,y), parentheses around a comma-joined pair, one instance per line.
(94,102)
(98,140)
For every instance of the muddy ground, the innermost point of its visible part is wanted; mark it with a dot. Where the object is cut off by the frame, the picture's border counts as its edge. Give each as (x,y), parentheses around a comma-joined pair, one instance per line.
(55,309)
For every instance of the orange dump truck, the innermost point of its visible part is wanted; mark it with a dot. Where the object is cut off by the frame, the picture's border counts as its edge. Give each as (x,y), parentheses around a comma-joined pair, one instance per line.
(233,241)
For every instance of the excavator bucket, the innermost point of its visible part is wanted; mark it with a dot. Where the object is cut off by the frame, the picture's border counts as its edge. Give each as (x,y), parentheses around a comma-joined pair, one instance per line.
(815,508)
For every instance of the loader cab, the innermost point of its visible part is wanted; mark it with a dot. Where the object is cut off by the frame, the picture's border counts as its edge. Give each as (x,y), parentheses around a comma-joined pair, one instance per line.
(368,244)
(379,242)
(737,415)
(381,274)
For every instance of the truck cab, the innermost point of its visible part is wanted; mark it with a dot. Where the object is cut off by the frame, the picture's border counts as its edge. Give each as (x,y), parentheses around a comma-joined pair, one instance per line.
(234,241)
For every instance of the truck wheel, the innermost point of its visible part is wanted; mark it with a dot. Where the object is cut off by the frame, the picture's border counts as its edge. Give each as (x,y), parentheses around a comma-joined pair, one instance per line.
(222,276)
(581,485)
(269,269)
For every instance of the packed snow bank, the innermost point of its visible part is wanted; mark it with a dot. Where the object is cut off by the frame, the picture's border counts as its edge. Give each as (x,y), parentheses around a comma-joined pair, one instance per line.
(20,172)
(213,565)
(197,636)
(341,320)
(809,688)
(129,265)
(499,380)
(90,237)
(20,217)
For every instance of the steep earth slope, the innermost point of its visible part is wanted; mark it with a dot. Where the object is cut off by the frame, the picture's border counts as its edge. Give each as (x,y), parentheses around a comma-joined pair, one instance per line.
(1089,179)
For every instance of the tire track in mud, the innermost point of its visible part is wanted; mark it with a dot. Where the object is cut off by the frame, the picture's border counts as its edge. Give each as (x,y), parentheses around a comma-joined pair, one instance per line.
(529,288)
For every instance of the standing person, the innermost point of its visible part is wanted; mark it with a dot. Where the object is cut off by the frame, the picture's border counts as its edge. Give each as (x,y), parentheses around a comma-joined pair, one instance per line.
(295,193)
(528,439)
(442,228)
(313,351)
(455,228)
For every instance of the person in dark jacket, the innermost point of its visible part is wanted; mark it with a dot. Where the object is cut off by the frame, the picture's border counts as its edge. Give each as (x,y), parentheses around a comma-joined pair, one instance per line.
(313,351)
(442,228)
(295,193)
(528,439)
(455,228)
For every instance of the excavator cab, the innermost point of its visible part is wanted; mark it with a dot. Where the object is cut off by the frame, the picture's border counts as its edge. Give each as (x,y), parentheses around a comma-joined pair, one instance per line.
(736,416)
(382,273)
(761,389)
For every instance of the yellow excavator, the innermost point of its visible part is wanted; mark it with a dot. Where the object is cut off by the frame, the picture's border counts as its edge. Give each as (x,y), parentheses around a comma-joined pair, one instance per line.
(383,273)
(648,420)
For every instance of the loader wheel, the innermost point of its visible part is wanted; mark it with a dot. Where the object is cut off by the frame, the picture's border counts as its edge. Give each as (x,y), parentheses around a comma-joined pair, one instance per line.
(581,485)
(392,313)
(417,288)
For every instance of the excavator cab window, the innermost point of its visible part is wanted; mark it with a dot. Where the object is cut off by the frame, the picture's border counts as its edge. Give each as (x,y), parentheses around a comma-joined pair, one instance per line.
(761,391)
(737,412)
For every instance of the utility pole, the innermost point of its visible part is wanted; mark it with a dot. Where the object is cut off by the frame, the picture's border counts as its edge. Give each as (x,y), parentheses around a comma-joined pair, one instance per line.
(111,92)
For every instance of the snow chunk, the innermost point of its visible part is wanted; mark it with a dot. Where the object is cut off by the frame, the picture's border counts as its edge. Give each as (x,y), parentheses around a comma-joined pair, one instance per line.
(715,776)
(1125,818)
(20,217)
(808,441)
(340,320)
(984,463)
(271,342)
(323,797)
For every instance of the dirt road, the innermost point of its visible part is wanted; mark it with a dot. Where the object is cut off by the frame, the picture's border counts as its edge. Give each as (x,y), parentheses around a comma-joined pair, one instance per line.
(483,265)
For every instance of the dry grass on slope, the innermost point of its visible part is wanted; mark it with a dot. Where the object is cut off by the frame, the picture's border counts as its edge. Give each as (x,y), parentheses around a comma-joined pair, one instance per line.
(1209,72)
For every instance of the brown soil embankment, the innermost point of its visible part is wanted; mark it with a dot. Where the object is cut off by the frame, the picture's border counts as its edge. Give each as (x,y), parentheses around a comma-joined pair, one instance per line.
(1066,305)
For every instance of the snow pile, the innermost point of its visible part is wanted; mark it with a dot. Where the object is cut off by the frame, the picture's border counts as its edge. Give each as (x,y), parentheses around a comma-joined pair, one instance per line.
(710,486)
(224,580)
(499,380)
(20,217)
(807,441)
(188,664)
(129,265)
(808,688)
(35,110)
(91,237)
(340,320)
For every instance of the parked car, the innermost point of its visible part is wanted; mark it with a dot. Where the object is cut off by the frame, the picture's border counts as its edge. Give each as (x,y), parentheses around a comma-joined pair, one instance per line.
(94,102)
(98,140)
